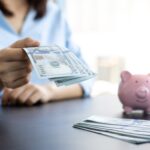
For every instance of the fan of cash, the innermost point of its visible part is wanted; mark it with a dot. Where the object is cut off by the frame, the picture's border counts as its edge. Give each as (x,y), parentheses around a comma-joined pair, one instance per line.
(58,64)
(135,131)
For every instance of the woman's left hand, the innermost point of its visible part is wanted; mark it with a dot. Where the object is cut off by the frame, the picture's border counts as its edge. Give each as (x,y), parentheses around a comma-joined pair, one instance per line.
(28,94)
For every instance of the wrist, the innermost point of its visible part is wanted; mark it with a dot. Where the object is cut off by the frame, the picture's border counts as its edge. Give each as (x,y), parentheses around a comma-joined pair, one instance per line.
(68,92)
(52,92)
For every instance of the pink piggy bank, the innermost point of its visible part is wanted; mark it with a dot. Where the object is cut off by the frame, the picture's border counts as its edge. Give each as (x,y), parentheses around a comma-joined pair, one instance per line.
(134,92)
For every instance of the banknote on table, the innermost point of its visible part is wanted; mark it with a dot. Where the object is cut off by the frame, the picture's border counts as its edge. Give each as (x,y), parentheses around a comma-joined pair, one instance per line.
(58,64)
(131,130)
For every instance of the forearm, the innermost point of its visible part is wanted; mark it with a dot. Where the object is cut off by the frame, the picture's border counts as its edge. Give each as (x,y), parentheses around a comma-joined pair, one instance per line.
(68,92)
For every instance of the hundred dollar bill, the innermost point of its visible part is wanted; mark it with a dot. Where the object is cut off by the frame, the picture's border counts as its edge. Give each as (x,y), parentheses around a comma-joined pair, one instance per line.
(119,121)
(131,130)
(126,132)
(72,80)
(84,71)
(116,136)
(49,62)
(58,64)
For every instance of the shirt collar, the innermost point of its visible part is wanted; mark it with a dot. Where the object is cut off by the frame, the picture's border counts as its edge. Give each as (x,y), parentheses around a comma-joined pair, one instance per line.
(28,22)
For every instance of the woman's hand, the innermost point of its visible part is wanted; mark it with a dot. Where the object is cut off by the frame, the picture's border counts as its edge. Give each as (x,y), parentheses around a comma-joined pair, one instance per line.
(31,94)
(15,66)
(28,94)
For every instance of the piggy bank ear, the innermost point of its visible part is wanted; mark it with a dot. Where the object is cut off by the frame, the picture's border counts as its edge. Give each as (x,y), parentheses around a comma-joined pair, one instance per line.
(125,75)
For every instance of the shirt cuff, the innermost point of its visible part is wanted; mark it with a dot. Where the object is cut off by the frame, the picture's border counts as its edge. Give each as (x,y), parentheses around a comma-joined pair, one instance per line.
(86,87)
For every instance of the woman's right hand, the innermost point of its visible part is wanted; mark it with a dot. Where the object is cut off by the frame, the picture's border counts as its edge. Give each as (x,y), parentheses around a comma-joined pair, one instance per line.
(15,66)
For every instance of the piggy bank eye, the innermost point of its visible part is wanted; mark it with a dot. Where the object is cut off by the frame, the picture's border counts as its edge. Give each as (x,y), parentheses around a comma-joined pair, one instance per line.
(147,81)
(136,81)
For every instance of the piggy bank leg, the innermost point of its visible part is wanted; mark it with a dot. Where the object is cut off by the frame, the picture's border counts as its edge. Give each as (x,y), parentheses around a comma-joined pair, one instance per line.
(147,111)
(127,110)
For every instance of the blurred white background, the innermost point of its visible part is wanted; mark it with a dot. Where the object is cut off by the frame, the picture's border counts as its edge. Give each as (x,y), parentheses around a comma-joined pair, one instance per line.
(113,35)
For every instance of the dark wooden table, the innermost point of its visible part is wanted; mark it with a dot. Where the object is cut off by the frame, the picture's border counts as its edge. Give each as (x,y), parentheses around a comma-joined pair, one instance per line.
(49,127)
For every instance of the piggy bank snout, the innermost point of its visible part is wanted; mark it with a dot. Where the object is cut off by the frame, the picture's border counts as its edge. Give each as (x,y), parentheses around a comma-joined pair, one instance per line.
(142,92)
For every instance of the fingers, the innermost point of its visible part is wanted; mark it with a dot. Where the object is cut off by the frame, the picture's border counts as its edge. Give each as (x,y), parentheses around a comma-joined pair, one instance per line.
(18,95)
(12,54)
(15,73)
(33,99)
(12,62)
(18,45)
(22,96)
(7,67)
(42,94)
(17,83)
(31,95)
(15,78)
(27,95)
(27,42)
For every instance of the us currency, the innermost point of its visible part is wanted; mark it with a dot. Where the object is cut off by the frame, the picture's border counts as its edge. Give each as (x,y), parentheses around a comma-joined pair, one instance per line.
(83,69)
(49,62)
(119,121)
(116,136)
(131,130)
(72,81)
(120,131)
(58,64)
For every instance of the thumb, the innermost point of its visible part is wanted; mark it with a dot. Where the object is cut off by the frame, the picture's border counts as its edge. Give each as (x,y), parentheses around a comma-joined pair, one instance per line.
(27,42)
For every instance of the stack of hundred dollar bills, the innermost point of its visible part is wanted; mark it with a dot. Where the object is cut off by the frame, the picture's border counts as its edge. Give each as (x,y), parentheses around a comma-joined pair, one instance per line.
(58,64)
(135,131)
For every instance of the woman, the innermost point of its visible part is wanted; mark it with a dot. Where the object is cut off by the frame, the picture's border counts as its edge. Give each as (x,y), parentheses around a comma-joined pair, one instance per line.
(42,21)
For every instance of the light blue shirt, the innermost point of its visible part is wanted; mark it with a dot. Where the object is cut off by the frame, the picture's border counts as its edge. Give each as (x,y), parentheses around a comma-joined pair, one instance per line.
(51,29)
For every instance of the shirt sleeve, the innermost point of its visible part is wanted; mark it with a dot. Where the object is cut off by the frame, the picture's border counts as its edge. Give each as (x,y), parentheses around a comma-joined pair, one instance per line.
(86,85)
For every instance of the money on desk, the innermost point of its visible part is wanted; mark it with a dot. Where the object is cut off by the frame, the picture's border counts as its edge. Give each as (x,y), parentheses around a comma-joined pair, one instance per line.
(135,131)
(58,64)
